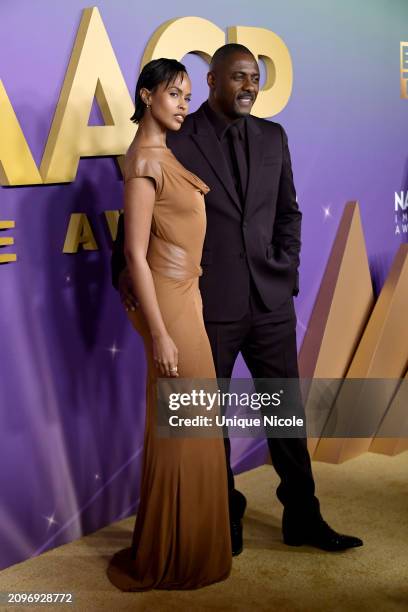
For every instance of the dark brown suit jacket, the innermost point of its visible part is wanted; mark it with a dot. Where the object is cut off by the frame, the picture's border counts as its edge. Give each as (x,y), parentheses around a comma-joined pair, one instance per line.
(261,238)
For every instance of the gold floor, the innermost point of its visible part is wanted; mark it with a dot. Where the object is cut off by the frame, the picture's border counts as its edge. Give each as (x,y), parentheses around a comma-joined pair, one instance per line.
(366,496)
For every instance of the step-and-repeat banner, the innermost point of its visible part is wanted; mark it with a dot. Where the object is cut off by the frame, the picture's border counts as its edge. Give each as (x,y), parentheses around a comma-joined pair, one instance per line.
(72,377)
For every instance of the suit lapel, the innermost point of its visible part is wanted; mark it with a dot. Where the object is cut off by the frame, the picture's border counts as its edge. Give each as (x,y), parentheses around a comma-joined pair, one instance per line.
(207,142)
(255,157)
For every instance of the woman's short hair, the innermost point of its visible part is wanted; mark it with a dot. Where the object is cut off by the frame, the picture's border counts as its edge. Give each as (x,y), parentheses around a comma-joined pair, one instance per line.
(154,73)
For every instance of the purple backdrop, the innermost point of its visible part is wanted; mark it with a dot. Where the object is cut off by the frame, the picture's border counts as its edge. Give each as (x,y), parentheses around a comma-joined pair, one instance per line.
(72,369)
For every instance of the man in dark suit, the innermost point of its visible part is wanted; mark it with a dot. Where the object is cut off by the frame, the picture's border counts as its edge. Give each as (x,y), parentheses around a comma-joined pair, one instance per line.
(250,268)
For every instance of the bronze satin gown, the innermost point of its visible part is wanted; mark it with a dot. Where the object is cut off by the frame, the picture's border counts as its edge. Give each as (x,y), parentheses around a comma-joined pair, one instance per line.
(181,538)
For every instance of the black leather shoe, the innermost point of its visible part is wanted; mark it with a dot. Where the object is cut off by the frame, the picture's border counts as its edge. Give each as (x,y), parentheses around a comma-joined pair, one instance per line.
(236,537)
(237,509)
(320,535)
(237,503)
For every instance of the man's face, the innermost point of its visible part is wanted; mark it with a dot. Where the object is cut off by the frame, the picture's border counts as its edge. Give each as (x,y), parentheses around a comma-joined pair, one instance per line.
(234,85)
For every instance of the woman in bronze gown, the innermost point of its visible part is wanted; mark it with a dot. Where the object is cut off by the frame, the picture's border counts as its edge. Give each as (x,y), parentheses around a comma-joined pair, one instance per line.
(181,538)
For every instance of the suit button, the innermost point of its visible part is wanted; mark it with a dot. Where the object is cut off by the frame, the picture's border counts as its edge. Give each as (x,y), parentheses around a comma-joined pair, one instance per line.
(245,225)
(242,254)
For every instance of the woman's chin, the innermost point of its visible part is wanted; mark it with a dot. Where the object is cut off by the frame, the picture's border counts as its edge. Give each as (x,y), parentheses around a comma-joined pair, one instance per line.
(174,126)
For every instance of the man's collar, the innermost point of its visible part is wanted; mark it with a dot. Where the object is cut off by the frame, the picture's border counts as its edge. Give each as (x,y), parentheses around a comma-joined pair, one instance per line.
(220,125)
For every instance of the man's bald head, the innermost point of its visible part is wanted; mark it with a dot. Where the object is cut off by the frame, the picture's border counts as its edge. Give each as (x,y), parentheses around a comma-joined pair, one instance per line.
(226,51)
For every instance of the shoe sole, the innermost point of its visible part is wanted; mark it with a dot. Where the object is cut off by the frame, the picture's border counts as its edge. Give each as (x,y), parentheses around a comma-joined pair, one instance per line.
(290,542)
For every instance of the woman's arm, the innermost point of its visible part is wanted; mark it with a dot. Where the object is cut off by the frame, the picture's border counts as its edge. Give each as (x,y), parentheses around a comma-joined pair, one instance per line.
(138,212)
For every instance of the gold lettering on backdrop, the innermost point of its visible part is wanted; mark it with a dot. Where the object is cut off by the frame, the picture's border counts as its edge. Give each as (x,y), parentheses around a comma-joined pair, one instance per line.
(7,241)
(112,218)
(378,355)
(79,232)
(404,69)
(352,339)
(17,166)
(177,37)
(93,71)
(270,48)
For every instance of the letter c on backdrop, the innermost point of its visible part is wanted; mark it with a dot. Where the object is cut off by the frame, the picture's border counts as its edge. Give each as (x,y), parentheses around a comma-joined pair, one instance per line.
(177,37)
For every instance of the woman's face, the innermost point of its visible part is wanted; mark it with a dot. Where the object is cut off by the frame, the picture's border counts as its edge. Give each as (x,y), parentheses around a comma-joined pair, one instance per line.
(169,104)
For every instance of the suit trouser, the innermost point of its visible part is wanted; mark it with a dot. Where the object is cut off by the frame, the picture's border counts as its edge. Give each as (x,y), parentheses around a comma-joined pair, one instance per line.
(267,342)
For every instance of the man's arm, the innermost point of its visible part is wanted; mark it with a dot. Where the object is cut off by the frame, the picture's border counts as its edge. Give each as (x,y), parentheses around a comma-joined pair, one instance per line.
(287,226)
(118,261)
(119,271)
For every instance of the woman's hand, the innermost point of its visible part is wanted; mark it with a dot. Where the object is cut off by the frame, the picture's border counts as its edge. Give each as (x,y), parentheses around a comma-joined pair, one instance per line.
(165,355)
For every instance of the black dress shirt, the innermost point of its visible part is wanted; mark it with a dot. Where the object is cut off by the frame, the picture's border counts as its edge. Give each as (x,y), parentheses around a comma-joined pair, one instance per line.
(221,128)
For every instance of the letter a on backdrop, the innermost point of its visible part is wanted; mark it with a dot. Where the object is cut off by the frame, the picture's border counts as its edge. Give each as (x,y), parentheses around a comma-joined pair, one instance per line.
(93,71)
